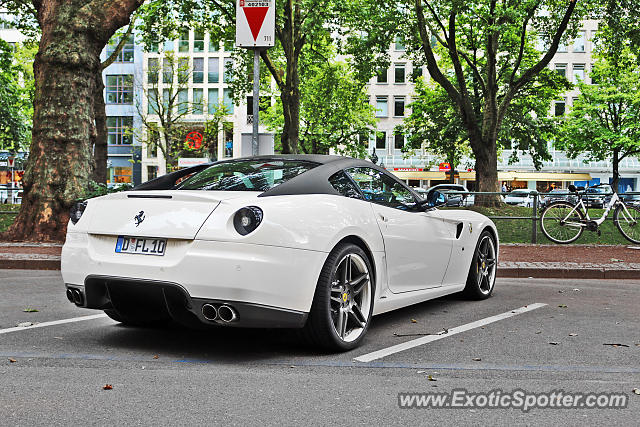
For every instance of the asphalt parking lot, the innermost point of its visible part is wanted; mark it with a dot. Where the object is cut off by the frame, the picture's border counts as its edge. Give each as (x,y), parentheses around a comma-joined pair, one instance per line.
(549,334)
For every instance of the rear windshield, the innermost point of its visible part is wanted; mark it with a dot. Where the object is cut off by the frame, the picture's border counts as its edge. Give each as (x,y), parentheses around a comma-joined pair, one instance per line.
(246,175)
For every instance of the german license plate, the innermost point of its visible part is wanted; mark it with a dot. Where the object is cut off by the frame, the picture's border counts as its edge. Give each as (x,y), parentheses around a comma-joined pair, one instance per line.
(140,245)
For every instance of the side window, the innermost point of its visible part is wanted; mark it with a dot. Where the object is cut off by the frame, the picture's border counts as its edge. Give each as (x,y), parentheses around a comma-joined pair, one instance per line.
(382,189)
(343,185)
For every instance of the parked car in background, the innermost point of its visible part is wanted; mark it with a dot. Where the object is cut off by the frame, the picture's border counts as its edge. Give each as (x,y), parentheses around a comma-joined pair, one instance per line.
(597,196)
(454,199)
(556,195)
(519,198)
(422,192)
(10,195)
(631,199)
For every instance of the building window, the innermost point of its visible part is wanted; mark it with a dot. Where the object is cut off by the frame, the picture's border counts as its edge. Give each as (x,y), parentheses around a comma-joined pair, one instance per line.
(214,45)
(416,73)
(213,75)
(152,172)
(183,101)
(168,46)
(562,47)
(120,175)
(198,70)
(120,89)
(559,108)
(6,22)
(562,70)
(226,73)
(153,138)
(152,47)
(227,134)
(399,73)
(382,106)
(398,141)
(119,130)
(126,54)
(152,70)
(228,102)
(381,140)
(382,75)
(167,98)
(183,70)
(399,42)
(198,41)
(579,42)
(213,101)
(167,71)
(183,43)
(398,106)
(198,106)
(152,103)
(578,73)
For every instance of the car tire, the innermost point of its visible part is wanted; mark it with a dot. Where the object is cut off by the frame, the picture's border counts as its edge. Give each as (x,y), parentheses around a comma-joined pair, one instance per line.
(343,296)
(482,272)
(136,321)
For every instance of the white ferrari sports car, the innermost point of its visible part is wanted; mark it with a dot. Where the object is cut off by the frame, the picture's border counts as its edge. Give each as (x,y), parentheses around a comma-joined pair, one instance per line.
(316,242)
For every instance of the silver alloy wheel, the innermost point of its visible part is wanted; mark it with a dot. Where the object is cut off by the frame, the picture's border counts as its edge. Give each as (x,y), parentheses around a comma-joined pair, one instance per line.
(350,297)
(486,265)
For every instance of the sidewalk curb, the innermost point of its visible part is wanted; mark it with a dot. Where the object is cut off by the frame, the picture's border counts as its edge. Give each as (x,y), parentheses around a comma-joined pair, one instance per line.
(30,264)
(566,273)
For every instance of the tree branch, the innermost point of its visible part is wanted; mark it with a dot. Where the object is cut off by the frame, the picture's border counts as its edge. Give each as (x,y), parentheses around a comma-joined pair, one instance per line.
(114,55)
(272,68)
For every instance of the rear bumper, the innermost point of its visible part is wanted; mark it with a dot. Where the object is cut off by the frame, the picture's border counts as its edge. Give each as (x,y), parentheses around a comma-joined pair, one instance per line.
(258,275)
(148,299)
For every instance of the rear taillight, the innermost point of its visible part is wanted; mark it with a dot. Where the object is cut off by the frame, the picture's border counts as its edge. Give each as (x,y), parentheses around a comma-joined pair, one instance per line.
(247,219)
(76,211)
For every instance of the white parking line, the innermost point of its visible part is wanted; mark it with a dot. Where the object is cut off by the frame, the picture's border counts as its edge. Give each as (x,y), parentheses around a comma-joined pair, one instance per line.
(379,354)
(52,323)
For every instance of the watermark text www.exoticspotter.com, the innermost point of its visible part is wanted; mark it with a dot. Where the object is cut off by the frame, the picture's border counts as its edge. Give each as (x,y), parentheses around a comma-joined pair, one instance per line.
(519,399)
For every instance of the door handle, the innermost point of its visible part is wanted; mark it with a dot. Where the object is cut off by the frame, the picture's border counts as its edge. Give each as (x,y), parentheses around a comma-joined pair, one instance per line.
(383,218)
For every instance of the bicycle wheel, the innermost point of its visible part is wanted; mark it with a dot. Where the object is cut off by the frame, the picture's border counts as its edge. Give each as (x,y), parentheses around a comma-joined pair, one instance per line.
(560,224)
(628,222)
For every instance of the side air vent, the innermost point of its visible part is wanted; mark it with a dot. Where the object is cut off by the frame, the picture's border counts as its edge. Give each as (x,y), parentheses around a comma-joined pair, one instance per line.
(459,230)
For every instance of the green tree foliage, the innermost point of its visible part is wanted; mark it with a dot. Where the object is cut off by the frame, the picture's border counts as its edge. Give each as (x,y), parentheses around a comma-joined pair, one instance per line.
(334,106)
(16,93)
(482,54)
(435,126)
(604,122)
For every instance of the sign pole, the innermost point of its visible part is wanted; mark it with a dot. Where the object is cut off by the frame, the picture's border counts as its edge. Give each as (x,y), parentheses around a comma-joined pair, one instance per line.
(256,100)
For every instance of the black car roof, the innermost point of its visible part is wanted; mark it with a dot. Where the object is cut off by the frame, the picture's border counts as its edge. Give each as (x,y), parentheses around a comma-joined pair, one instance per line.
(313,181)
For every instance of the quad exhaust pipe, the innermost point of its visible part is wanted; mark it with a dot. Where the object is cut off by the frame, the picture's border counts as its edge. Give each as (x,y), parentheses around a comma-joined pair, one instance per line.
(224,313)
(75,296)
(227,313)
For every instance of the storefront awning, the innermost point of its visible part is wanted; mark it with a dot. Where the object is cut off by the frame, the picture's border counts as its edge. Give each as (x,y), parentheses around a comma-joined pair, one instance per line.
(532,176)
(420,175)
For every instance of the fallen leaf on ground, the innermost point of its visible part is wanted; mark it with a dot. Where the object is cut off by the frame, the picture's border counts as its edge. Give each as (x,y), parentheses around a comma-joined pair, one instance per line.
(476,359)
(573,335)
(616,260)
(156,357)
(562,305)
(12,360)
(107,387)
(554,343)
(561,292)
(30,310)
(576,290)
(636,390)
(616,345)
(538,332)
(24,324)
(422,372)
(430,378)
(414,321)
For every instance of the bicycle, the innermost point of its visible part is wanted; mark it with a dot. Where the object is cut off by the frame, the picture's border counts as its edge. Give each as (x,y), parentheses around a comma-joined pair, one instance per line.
(563,222)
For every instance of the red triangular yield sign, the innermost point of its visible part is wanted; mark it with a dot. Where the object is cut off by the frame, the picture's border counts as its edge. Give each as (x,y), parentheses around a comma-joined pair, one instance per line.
(255,18)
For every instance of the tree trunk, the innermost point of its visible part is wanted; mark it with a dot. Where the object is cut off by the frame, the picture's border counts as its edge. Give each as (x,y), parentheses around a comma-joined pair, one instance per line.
(485,153)
(65,69)
(291,128)
(100,144)
(616,173)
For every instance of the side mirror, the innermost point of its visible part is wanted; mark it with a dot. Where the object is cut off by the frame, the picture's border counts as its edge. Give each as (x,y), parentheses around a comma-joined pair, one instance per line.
(435,199)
